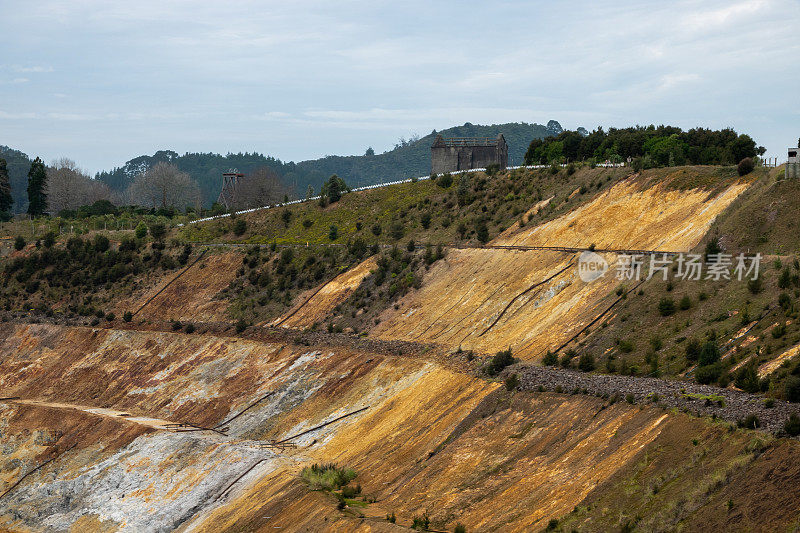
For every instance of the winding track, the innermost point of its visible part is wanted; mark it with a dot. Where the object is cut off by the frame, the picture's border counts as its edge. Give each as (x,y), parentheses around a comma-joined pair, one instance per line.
(457,246)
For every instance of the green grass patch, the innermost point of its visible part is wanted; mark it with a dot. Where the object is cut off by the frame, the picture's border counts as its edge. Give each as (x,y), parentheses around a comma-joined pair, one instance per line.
(705,397)
(327,476)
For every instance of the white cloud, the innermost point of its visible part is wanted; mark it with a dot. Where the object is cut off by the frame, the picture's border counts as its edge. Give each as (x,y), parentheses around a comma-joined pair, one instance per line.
(16,116)
(675,80)
(713,19)
(34,68)
(276,115)
(336,78)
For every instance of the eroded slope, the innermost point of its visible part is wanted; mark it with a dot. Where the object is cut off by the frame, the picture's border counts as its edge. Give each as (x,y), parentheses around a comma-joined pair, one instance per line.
(539,301)
(431,440)
(191,296)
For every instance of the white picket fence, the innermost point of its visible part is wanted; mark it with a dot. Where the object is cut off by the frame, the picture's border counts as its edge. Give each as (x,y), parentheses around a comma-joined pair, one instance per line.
(376,186)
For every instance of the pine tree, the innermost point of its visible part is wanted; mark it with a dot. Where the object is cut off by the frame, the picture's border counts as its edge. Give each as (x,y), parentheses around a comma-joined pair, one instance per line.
(37,197)
(6,200)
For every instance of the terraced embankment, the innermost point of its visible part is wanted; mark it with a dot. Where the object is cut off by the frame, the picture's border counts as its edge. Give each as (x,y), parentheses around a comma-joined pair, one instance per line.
(432,440)
(317,304)
(188,295)
(533,301)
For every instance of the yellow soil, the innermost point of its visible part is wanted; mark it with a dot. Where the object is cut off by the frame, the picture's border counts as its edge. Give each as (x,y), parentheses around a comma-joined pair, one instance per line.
(317,304)
(191,296)
(463,295)
(534,459)
(122,416)
(627,216)
(454,446)
(771,366)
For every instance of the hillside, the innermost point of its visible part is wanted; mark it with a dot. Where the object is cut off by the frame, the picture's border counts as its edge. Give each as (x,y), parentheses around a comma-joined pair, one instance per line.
(402,355)
(411,158)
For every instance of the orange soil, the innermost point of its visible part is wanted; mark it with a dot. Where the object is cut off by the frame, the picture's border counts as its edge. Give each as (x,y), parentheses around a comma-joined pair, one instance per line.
(191,296)
(463,295)
(457,447)
(316,304)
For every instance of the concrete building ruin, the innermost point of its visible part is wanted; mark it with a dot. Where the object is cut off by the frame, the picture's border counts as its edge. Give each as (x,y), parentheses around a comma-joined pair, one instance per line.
(793,164)
(463,153)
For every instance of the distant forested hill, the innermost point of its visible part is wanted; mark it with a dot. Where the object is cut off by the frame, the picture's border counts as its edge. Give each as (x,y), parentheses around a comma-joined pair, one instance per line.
(205,169)
(18,166)
(413,158)
(409,158)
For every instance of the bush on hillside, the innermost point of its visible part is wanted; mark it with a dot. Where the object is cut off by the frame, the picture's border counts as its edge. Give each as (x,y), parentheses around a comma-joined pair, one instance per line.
(499,362)
(512,382)
(746,166)
(749,422)
(482,233)
(626,346)
(550,359)
(334,188)
(747,378)
(445,180)
(586,362)
(791,389)
(666,306)
(327,476)
(19,243)
(158,231)
(141,230)
(709,354)
(101,243)
(705,375)
(755,286)
(239,227)
(792,426)
(713,247)
(425,220)
(397,231)
(286,216)
(421,523)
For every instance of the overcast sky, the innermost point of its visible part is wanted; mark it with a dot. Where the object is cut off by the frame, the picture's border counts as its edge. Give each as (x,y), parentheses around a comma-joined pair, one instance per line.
(102,82)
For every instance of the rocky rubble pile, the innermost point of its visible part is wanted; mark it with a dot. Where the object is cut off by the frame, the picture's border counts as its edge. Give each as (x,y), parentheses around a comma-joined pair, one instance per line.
(728,404)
